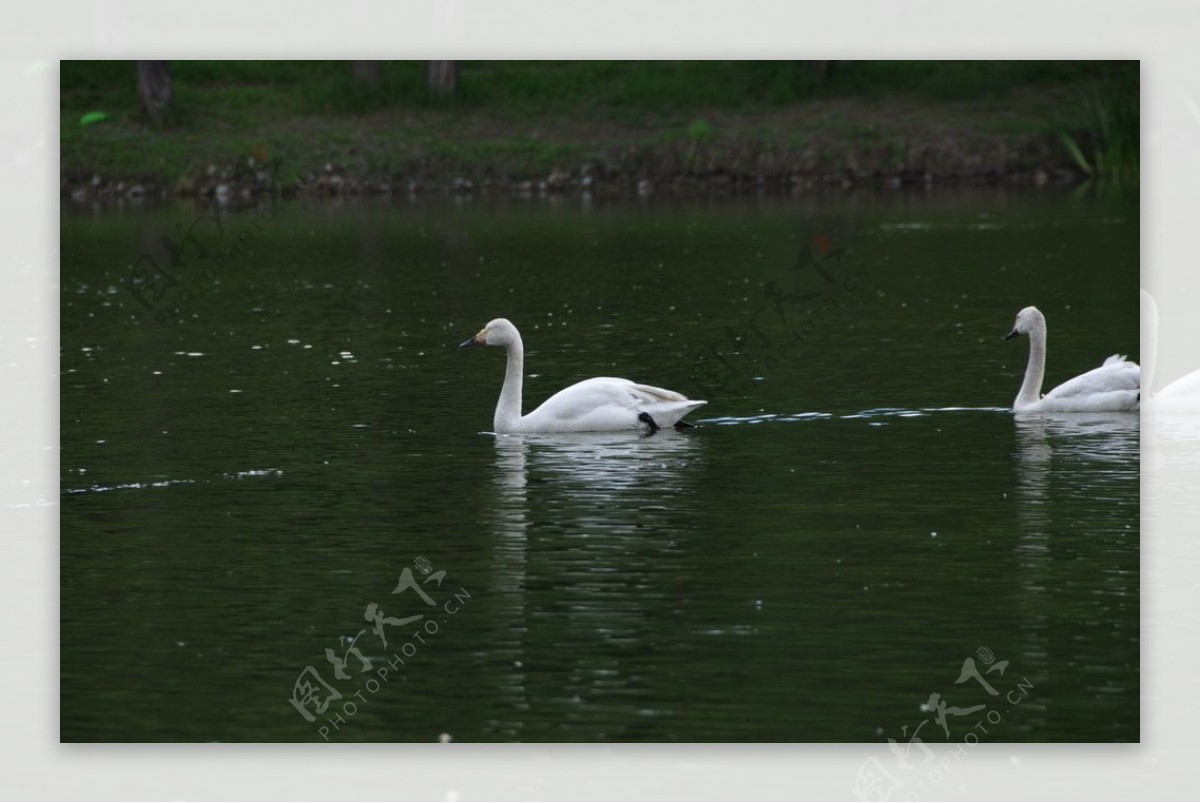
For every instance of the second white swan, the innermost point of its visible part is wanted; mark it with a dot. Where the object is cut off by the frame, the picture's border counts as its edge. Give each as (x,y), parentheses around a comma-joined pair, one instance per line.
(1182,395)
(600,404)
(1114,386)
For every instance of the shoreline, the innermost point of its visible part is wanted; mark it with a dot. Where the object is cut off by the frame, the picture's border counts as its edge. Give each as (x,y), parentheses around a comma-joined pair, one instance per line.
(806,147)
(248,180)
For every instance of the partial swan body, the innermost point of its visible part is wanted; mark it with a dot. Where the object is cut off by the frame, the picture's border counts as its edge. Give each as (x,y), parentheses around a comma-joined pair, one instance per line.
(1182,395)
(600,404)
(1113,387)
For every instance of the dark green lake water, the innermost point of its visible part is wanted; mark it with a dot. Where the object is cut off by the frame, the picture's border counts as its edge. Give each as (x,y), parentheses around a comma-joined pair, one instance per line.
(290,435)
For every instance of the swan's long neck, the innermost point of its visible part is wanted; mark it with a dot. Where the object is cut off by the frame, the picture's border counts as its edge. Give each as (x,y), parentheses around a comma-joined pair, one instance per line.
(1035,371)
(508,408)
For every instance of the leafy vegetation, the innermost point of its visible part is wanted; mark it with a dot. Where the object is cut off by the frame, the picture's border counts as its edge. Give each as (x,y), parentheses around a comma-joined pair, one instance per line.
(516,117)
(1108,149)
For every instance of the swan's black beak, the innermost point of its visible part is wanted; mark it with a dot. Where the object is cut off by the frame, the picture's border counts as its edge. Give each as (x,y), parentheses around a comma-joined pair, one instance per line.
(480,339)
(1011,334)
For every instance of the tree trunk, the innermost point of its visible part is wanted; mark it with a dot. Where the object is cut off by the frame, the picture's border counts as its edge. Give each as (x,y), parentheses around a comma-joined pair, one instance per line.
(154,88)
(441,77)
(820,70)
(366,72)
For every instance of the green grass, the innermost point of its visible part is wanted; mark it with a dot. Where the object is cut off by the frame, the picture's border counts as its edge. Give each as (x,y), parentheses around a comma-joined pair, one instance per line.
(306,87)
(1108,146)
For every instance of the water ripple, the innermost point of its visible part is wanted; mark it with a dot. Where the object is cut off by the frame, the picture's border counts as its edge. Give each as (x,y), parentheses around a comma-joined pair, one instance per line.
(875,412)
(127,486)
(733,420)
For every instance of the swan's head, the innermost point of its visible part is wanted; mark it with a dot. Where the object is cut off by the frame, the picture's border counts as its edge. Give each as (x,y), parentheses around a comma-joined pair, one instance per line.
(498,332)
(1028,320)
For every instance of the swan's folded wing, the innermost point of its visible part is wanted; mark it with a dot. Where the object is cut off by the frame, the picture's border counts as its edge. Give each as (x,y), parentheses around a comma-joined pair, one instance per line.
(612,390)
(652,395)
(607,403)
(581,401)
(1116,375)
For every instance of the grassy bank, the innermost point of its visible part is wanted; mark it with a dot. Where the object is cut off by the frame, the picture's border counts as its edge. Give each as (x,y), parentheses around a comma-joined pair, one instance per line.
(531,126)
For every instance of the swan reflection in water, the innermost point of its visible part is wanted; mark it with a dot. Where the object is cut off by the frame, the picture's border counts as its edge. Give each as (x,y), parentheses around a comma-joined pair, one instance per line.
(1102,437)
(1064,446)
(597,507)
(1081,454)
(1072,468)
(608,482)
(593,465)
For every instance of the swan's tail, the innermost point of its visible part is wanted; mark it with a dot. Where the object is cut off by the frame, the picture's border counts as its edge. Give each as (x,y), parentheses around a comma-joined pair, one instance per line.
(670,414)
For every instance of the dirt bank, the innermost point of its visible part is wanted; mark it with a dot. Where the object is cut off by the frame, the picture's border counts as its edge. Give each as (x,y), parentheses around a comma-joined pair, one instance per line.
(808,147)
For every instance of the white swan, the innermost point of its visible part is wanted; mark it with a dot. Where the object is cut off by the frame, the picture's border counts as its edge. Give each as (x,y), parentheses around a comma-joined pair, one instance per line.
(1182,395)
(1114,386)
(601,404)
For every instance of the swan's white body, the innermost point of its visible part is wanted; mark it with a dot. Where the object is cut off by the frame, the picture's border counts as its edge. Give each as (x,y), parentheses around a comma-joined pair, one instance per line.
(600,404)
(1113,387)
